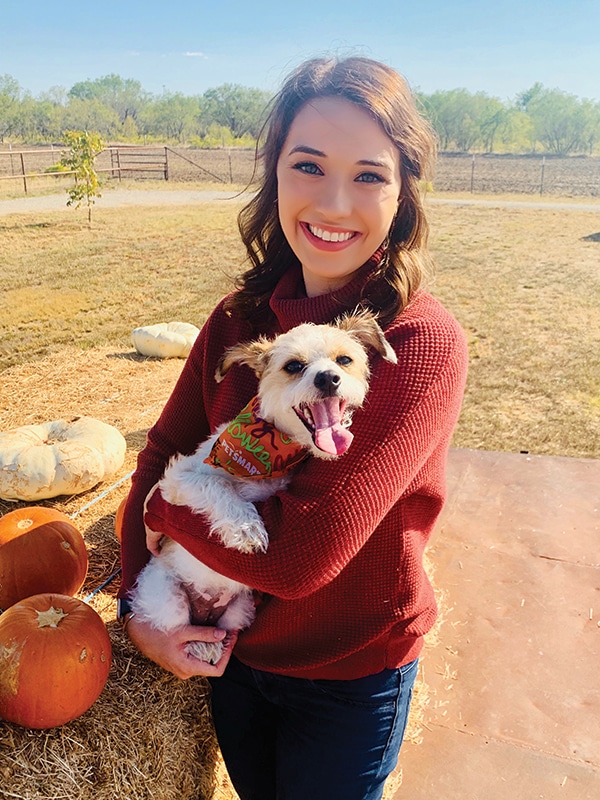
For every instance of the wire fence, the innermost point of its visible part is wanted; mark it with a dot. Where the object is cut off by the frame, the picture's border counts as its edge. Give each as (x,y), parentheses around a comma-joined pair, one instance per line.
(576,176)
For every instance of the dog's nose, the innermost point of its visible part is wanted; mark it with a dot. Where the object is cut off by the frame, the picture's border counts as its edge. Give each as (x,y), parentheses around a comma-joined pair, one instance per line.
(327,382)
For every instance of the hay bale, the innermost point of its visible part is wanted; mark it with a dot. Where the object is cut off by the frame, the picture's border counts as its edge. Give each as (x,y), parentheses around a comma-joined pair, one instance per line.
(149,734)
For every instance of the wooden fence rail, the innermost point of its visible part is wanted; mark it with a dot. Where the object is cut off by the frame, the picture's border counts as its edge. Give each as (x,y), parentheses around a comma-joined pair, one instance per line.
(26,176)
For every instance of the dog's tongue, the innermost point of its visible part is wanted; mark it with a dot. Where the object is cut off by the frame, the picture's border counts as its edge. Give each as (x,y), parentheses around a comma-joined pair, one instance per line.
(330,436)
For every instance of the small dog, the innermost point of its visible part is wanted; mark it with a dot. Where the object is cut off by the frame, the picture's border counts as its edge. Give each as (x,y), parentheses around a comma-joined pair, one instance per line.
(311,379)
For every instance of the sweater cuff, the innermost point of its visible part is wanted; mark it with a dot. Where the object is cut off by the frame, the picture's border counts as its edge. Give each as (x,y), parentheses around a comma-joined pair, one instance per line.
(176,522)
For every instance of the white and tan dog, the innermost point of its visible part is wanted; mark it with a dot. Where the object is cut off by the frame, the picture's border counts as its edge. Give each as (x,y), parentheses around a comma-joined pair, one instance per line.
(310,381)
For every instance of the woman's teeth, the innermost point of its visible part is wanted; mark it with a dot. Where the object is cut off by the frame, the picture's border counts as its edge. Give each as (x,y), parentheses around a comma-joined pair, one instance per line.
(330,236)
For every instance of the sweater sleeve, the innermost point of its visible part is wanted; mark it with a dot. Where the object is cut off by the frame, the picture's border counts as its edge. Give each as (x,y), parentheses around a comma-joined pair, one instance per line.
(183,423)
(331,508)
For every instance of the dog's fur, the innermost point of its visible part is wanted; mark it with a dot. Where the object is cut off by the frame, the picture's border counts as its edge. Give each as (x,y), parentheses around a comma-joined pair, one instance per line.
(308,365)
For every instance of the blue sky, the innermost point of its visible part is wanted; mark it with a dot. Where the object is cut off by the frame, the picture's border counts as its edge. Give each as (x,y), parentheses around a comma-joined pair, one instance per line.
(500,47)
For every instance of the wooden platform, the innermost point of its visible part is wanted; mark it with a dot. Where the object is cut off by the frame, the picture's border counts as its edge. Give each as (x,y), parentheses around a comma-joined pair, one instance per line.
(514,710)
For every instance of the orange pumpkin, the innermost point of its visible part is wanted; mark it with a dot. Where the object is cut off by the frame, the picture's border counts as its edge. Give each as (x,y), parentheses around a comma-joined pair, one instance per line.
(55,656)
(119,518)
(40,551)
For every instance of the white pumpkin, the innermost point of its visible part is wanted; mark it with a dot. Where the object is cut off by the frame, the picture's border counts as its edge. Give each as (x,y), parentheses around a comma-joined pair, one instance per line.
(165,339)
(60,457)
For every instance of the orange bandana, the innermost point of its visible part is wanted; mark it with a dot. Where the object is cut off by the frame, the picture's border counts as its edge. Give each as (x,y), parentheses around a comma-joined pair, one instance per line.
(250,447)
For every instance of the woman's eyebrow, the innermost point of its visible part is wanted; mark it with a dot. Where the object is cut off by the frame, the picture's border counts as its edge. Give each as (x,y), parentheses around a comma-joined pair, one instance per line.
(304,148)
(381,164)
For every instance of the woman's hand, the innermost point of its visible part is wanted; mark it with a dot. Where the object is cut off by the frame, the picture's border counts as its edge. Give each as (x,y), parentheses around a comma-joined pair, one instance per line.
(168,650)
(153,540)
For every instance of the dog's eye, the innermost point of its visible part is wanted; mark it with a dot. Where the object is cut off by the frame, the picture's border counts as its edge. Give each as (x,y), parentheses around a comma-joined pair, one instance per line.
(293,367)
(343,361)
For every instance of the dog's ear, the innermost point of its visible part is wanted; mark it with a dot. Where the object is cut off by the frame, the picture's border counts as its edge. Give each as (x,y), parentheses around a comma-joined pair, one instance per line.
(364,327)
(255,354)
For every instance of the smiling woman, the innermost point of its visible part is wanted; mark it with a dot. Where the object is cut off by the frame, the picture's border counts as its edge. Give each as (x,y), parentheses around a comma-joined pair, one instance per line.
(314,701)
(339,184)
(362,113)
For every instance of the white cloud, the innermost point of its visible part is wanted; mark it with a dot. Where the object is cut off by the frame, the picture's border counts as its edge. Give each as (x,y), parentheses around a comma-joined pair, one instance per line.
(195,55)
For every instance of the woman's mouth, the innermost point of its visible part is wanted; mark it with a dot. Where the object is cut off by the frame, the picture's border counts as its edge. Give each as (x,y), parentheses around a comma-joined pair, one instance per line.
(327,239)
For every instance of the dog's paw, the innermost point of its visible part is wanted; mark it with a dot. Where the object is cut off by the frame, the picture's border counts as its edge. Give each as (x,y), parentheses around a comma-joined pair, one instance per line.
(248,537)
(211,652)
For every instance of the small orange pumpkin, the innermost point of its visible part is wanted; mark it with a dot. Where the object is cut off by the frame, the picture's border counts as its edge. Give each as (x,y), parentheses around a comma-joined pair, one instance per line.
(40,551)
(55,656)
(119,518)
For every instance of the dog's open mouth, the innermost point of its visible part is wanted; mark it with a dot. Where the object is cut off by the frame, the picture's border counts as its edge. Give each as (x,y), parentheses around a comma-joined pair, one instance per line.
(327,421)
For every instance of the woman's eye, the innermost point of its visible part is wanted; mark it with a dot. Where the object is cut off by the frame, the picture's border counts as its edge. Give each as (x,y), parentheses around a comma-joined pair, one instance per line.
(308,167)
(293,367)
(343,361)
(370,177)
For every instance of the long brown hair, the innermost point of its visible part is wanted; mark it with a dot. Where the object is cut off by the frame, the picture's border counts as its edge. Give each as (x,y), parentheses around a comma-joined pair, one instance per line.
(386,96)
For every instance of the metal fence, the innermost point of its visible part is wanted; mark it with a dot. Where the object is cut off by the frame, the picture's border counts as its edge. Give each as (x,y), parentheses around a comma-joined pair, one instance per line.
(575,176)
(456,172)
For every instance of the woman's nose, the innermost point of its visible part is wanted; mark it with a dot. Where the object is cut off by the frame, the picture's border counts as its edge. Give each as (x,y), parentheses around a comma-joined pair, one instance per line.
(334,200)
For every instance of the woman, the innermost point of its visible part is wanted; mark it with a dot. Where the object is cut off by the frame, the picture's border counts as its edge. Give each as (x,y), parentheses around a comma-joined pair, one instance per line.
(314,702)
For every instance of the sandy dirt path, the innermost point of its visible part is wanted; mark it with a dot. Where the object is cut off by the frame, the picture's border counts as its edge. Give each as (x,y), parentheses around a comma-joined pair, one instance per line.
(141,197)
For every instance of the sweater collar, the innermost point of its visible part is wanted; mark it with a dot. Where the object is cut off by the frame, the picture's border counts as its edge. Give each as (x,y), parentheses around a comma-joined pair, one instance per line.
(292,307)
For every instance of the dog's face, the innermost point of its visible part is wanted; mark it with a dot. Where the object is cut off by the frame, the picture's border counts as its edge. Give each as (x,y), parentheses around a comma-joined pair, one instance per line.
(312,378)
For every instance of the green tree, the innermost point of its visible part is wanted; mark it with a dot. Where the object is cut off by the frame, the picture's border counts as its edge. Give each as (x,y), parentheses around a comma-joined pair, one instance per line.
(236,107)
(124,96)
(10,96)
(49,112)
(491,118)
(516,134)
(171,116)
(561,122)
(452,115)
(91,115)
(84,147)
(464,120)
(590,111)
(529,96)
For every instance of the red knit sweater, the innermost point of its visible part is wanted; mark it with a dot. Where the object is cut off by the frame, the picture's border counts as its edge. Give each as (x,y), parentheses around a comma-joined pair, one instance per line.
(344,591)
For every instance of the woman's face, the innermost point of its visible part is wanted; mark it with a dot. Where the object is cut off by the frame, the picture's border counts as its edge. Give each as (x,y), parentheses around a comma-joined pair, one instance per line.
(338,189)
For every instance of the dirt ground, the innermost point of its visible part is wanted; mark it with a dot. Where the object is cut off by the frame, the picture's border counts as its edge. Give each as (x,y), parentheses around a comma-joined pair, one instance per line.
(115,197)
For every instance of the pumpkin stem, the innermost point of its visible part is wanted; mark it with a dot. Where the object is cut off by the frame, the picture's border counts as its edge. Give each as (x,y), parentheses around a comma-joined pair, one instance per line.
(50,618)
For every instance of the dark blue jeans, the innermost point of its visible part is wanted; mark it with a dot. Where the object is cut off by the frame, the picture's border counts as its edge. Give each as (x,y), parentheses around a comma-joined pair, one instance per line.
(297,739)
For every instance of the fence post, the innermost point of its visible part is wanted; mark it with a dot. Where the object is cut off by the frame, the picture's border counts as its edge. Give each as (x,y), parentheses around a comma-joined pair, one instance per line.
(542,176)
(473,173)
(166,163)
(23,171)
(230,172)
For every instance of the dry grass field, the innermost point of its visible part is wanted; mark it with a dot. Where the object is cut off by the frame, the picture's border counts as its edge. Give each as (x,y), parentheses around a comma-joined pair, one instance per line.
(525,284)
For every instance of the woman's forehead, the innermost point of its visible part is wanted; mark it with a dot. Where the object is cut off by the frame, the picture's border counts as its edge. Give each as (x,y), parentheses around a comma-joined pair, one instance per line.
(326,125)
